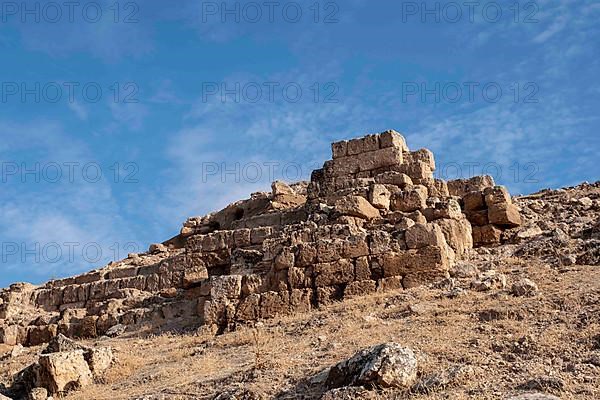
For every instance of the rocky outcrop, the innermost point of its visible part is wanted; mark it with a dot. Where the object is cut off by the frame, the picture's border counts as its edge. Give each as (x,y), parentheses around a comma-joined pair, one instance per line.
(373,218)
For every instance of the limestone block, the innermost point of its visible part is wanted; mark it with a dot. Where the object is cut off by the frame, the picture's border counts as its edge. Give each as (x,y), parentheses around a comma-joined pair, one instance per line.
(356,146)
(478,218)
(334,273)
(241,237)
(360,288)
(410,199)
(460,187)
(374,160)
(122,273)
(504,214)
(390,283)
(306,254)
(99,360)
(226,287)
(339,149)
(355,246)
(392,138)
(394,178)
(423,155)
(379,196)
(362,271)
(299,278)
(421,235)
(251,284)
(194,276)
(273,304)
(329,250)
(356,206)
(9,335)
(37,335)
(474,201)
(259,235)
(486,235)
(328,295)
(458,234)
(496,195)
(430,258)
(285,259)
(249,308)
(448,208)
(418,171)
(300,300)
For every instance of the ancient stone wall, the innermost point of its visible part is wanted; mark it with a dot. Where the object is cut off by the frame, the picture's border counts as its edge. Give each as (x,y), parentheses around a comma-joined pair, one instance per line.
(373,218)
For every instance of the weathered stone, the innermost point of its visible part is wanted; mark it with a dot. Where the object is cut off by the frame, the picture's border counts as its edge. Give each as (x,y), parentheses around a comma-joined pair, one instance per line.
(524,287)
(390,283)
(420,235)
(63,372)
(392,138)
(394,178)
(387,365)
(284,260)
(249,308)
(486,235)
(226,287)
(410,199)
(496,195)
(273,304)
(504,214)
(338,272)
(99,360)
(478,218)
(356,206)
(460,187)
(458,234)
(489,280)
(37,335)
(359,288)
(474,201)
(339,149)
(379,196)
(9,335)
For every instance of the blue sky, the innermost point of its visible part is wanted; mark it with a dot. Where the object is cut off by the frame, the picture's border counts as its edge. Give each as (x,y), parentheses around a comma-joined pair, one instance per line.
(174,109)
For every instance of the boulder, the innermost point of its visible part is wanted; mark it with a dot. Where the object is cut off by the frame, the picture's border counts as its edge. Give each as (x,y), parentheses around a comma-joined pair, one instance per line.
(489,280)
(524,287)
(63,372)
(386,365)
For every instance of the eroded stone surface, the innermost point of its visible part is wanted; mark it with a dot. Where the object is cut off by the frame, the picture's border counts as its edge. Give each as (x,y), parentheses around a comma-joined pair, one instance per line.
(373,218)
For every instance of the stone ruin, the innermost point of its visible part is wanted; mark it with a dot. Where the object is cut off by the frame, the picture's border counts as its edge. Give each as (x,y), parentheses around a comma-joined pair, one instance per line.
(374,218)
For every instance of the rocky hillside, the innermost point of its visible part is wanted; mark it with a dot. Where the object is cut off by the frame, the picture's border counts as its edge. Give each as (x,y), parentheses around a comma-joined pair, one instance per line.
(515,317)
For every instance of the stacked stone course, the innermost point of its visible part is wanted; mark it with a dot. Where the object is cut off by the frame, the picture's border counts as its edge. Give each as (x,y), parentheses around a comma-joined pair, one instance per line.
(373,218)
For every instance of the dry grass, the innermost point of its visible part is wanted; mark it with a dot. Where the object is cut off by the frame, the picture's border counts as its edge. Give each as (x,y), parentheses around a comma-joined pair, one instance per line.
(546,335)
